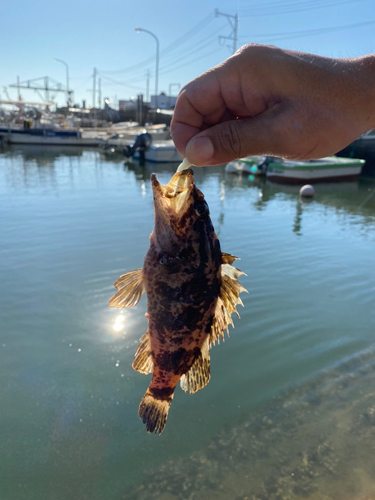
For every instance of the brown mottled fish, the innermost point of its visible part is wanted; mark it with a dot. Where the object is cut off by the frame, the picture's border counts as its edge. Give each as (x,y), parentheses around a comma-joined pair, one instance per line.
(192,290)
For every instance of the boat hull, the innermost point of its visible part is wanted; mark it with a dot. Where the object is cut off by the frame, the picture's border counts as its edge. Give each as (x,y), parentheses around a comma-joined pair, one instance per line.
(331,175)
(162,152)
(330,169)
(48,137)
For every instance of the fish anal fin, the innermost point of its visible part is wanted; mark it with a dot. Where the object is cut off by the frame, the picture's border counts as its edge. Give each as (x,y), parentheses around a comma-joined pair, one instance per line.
(199,374)
(130,289)
(154,411)
(143,361)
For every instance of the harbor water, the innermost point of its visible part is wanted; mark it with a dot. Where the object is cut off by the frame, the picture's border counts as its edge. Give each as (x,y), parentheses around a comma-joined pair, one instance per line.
(289,412)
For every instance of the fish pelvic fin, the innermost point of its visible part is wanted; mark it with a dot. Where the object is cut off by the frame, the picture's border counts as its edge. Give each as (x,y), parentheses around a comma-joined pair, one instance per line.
(143,361)
(229,298)
(154,411)
(130,289)
(199,374)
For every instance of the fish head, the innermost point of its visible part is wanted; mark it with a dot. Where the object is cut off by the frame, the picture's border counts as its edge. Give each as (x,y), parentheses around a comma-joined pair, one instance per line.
(182,218)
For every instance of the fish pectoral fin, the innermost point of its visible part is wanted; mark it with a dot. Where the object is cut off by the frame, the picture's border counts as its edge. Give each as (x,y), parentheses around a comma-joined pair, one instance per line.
(143,361)
(227,302)
(199,374)
(154,411)
(130,289)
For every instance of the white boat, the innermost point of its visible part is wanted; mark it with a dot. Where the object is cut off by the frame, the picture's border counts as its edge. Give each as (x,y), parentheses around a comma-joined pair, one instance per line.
(52,136)
(331,168)
(122,138)
(48,133)
(160,152)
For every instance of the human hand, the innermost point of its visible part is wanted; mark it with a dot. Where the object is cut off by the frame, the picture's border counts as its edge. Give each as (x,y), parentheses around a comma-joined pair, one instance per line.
(268,101)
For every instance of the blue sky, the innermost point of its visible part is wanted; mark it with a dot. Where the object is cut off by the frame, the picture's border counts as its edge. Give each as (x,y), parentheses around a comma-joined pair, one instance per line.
(88,34)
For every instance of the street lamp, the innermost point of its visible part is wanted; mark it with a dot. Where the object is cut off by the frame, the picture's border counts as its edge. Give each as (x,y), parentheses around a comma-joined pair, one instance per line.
(138,30)
(67,80)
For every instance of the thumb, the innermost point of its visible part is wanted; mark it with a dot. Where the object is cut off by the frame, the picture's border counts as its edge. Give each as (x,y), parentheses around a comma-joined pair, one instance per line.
(234,139)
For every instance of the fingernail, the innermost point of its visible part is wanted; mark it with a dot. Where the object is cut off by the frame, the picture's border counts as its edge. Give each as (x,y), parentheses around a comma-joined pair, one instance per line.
(199,150)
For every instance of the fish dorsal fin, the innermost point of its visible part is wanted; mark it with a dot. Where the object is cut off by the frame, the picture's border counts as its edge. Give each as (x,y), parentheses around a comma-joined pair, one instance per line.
(130,288)
(143,361)
(227,258)
(228,299)
(199,374)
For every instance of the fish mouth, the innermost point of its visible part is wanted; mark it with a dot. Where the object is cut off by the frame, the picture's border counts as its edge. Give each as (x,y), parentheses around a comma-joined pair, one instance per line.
(173,197)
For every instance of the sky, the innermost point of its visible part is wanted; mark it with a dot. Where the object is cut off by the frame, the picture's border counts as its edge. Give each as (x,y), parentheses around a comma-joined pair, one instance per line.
(101,34)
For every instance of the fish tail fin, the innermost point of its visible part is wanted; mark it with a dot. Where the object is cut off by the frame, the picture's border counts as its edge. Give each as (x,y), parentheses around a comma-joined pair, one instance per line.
(154,410)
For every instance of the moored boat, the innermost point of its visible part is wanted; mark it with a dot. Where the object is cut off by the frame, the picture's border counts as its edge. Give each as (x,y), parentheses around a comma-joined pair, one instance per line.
(118,141)
(160,152)
(54,135)
(50,136)
(331,168)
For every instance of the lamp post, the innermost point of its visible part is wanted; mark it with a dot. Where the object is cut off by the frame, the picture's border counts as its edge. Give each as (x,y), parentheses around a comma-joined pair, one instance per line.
(67,80)
(138,30)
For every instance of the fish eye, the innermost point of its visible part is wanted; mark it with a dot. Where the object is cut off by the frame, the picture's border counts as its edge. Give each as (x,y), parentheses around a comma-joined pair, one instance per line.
(201,209)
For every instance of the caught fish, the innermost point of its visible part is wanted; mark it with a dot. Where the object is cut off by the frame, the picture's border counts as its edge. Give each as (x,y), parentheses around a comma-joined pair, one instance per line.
(192,290)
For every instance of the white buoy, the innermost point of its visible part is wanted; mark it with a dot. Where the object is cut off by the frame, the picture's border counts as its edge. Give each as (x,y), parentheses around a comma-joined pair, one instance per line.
(307,191)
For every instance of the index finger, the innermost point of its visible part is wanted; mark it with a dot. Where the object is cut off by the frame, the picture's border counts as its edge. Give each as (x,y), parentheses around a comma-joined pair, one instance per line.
(199,105)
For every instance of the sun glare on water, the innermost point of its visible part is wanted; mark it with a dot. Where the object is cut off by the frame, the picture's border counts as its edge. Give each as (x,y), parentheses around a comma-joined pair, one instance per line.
(119,323)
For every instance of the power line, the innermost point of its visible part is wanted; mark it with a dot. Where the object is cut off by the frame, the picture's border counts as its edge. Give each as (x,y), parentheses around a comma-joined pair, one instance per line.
(178,42)
(194,48)
(192,61)
(299,4)
(187,36)
(318,31)
(122,84)
(288,8)
(167,68)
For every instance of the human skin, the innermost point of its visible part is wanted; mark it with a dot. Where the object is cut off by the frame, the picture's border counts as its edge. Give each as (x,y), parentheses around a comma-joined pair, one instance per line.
(268,101)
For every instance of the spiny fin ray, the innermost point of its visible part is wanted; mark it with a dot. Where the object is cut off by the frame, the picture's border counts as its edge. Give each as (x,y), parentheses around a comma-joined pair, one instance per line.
(143,361)
(228,299)
(130,289)
(199,374)
(154,412)
(227,258)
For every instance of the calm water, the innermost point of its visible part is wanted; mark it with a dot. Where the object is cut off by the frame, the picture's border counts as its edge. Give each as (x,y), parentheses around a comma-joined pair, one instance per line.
(289,412)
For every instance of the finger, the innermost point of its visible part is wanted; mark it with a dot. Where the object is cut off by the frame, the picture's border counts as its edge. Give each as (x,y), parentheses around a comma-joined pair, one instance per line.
(199,104)
(234,139)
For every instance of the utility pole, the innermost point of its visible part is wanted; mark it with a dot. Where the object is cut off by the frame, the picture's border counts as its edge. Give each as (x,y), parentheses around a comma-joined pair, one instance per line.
(233,21)
(94,89)
(170,91)
(147,85)
(18,88)
(46,88)
(100,93)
